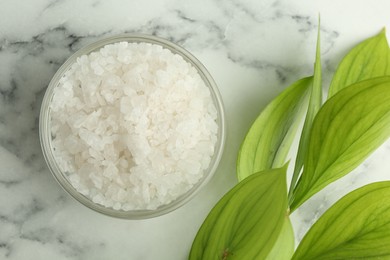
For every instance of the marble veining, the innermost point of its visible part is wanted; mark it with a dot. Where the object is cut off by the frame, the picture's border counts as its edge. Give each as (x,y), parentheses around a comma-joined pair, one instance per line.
(253,49)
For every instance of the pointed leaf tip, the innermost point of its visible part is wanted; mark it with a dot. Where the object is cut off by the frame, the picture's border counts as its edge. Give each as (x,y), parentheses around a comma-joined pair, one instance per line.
(368,59)
(269,139)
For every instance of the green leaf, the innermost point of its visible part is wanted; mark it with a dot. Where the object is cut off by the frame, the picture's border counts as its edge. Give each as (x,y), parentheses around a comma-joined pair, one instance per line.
(349,126)
(369,59)
(314,105)
(356,227)
(247,221)
(284,246)
(269,139)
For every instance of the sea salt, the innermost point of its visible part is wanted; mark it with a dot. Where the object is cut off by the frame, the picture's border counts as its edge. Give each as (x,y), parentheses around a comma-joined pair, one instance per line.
(133,125)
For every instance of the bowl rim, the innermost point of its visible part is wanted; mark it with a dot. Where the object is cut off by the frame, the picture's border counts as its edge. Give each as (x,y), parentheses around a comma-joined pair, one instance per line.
(45,132)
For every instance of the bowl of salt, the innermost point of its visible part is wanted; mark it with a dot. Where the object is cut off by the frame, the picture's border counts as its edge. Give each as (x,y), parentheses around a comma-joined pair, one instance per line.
(132,126)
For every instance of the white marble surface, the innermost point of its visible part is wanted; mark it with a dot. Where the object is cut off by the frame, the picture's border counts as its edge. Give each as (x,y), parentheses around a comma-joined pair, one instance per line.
(253,49)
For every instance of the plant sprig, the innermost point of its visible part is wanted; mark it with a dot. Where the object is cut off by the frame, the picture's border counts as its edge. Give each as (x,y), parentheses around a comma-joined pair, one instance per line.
(252,220)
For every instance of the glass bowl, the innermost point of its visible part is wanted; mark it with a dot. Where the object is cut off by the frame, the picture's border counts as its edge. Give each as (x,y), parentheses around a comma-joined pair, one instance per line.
(46,137)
